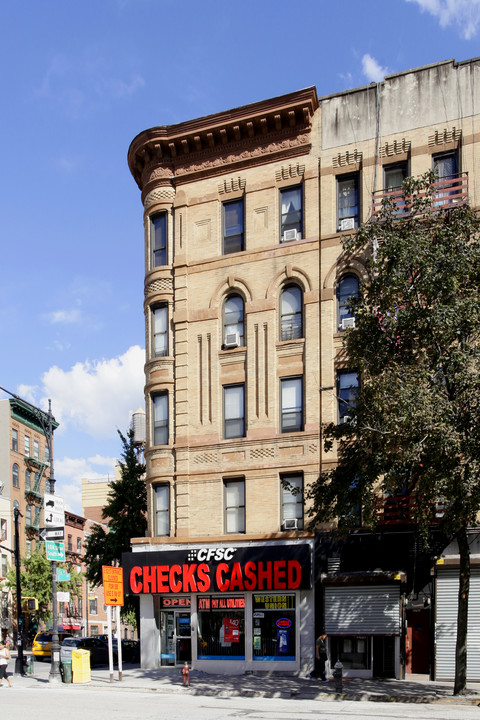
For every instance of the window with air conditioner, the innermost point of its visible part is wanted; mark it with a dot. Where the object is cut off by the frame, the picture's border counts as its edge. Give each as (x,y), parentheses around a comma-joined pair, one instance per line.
(291,313)
(348,202)
(347,288)
(233,322)
(347,387)
(292,502)
(291,213)
(233,226)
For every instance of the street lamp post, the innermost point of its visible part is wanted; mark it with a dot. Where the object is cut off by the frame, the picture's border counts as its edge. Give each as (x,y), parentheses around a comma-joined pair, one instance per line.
(19,663)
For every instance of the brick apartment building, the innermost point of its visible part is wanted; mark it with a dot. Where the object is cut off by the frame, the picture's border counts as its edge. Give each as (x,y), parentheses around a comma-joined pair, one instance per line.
(245,289)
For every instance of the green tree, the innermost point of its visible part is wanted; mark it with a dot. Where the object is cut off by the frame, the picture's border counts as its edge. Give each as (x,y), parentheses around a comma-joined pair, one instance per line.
(36,582)
(125,514)
(415,421)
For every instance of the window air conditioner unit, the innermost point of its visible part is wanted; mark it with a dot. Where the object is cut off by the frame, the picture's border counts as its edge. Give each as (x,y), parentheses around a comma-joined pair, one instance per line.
(290,524)
(232,340)
(347,323)
(290,235)
(344,419)
(347,224)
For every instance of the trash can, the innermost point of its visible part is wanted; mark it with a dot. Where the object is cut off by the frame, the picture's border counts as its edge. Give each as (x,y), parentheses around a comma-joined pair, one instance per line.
(67,671)
(81,666)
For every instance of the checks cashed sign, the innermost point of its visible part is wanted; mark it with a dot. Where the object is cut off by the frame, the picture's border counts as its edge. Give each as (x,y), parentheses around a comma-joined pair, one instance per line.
(219,569)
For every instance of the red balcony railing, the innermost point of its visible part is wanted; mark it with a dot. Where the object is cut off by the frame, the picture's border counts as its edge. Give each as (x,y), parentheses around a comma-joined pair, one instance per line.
(450,191)
(401,510)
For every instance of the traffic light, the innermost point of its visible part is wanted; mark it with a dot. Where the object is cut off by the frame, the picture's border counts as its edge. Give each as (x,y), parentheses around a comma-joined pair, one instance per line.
(29,604)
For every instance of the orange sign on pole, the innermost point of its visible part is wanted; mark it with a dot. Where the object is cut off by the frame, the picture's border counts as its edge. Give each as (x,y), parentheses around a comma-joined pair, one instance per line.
(112,585)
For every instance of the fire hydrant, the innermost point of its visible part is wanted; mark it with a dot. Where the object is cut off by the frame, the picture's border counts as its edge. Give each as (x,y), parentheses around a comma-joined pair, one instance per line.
(186,674)
(337,676)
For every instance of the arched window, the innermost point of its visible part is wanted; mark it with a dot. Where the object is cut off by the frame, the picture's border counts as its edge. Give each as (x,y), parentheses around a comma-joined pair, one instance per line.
(291,313)
(233,322)
(347,288)
(28,515)
(15,476)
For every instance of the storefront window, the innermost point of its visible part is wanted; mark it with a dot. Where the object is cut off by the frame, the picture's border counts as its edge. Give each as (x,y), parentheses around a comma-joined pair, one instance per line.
(221,628)
(274,627)
(352,651)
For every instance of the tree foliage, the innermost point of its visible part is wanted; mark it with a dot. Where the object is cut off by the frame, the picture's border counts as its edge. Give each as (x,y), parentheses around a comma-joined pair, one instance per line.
(36,582)
(125,514)
(414,427)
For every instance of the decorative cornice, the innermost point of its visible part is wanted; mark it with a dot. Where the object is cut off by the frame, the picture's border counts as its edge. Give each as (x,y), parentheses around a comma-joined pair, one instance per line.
(272,129)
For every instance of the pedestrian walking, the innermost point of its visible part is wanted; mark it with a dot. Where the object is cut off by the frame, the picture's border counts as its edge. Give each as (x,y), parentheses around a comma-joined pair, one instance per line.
(321,656)
(4,658)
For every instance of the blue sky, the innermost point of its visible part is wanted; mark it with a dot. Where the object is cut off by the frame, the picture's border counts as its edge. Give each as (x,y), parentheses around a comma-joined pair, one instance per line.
(79,81)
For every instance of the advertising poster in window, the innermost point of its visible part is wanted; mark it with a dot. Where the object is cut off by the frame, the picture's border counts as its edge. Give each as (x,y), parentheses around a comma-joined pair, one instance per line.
(231,630)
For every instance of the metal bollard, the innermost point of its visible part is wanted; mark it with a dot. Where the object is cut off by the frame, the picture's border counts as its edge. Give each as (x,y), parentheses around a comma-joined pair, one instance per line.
(337,676)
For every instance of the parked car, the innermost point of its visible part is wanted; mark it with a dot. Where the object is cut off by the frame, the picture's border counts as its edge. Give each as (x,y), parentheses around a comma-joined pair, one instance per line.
(98,649)
(42,644)
(130,648)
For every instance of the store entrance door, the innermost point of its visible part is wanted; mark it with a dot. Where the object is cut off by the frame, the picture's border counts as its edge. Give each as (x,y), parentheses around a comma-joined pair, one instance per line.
(183,637)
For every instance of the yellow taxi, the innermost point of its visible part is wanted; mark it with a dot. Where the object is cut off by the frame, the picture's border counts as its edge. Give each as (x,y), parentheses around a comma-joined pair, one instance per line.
(42,644)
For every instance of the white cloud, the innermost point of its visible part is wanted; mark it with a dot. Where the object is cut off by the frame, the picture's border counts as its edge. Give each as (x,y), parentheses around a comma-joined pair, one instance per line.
(69,473)
(64,317)
(97,397)
(465,14)
(372,70)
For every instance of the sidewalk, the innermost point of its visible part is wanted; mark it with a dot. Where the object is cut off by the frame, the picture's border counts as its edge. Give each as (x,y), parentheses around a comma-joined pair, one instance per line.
(415,689)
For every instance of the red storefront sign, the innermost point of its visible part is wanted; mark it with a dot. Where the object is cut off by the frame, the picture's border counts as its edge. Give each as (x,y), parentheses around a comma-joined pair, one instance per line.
(222,570)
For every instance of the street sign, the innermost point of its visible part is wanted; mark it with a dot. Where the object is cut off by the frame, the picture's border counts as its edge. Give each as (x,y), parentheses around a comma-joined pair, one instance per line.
(55,550)
(112,585)
(54,511)
(62,575)
(51,533)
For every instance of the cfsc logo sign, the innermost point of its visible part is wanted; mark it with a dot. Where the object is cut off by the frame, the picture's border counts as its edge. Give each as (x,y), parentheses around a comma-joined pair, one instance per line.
(211,554)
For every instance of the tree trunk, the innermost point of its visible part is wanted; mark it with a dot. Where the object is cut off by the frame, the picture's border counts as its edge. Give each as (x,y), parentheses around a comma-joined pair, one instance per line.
(460,687)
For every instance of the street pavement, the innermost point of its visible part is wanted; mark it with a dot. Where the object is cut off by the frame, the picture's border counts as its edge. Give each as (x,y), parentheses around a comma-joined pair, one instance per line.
(415,689)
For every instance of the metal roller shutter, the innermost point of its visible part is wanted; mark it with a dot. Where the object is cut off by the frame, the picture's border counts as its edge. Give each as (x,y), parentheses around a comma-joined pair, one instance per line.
(362,610)
(446,624)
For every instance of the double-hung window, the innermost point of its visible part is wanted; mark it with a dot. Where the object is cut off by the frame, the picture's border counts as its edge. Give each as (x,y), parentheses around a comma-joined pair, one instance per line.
(162,510)
(291,395)
(14,440)
(160,330)
(15,476)
(27,446)
(233,226)
(234,494)
(291,210)
(158,239)
(292,502)
(348,201)
(160,419)
(347,288)
(36,449)
(347,386)
(234,411)
(233,311)
(291,316)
